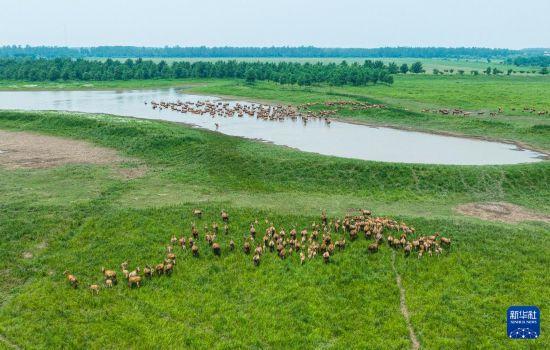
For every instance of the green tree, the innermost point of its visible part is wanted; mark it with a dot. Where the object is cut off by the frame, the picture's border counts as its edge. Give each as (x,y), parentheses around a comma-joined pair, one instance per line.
(544,70)
(460,72)
(283,72)
(488,70)
(393,68)
(250,75)
(404,68)
(416,67)
(304,79)
(378,64)
(54,74)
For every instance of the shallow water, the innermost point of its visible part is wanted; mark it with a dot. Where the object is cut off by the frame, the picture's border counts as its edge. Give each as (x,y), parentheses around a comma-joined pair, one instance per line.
(337,139)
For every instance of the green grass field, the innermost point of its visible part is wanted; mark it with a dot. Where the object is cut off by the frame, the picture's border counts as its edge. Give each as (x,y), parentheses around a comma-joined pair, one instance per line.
(83,217)
(94,85)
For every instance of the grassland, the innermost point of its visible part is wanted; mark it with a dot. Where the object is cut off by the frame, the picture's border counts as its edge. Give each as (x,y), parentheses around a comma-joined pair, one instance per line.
(82,217)
(6,85)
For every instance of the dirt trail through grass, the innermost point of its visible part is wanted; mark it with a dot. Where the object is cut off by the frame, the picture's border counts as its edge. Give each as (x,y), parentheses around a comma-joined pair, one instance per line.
(415,345)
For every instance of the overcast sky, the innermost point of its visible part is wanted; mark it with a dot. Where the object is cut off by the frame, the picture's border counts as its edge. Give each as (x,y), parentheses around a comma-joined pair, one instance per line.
(335,23)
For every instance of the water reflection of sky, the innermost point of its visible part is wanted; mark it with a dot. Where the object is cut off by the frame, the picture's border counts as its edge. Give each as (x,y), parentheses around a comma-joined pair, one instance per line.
(337,139)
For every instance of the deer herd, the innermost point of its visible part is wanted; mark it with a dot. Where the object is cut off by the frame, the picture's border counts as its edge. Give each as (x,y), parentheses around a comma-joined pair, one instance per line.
(306,111)
(325,238)
(461,112)
(264,112)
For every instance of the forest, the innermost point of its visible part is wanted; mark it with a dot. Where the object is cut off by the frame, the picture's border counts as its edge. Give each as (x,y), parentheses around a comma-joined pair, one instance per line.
(29,69)
(302,51)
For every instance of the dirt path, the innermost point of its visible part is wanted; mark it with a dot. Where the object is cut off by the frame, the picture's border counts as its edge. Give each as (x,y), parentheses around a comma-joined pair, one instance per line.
(415,345)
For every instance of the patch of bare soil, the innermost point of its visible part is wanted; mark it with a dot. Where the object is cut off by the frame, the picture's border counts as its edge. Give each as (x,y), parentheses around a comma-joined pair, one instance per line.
(27,150)
(24,150)
(500,211)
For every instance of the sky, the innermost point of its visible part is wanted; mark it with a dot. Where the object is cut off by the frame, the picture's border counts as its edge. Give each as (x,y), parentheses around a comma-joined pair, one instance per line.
(339,23)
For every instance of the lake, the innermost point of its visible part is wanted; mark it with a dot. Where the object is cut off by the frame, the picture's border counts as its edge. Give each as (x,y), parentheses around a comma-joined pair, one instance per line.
(336,139)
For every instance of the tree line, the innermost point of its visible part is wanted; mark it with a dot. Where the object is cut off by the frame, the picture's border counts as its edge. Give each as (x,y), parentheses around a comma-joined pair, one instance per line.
(203,51)
(30,69)
(537,61)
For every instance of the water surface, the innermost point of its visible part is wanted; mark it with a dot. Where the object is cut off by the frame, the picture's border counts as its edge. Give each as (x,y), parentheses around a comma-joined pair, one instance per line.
(336,139)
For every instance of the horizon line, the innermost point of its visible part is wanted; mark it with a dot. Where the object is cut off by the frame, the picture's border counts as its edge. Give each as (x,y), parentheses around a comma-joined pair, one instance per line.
(284,46)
